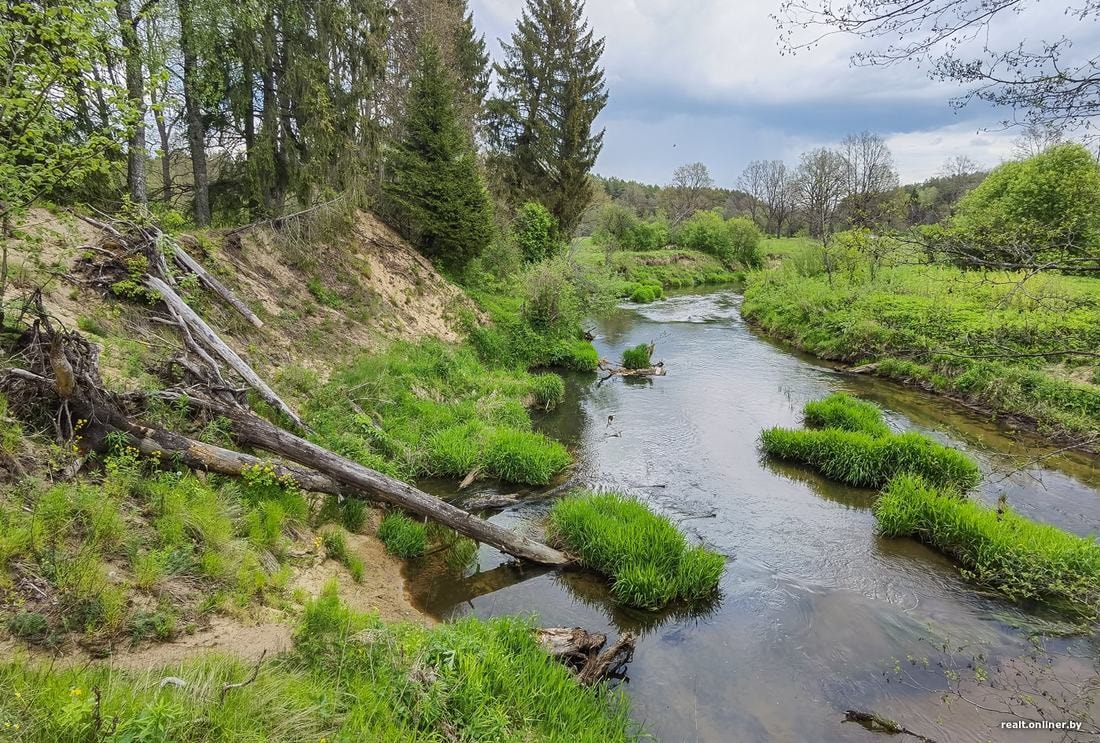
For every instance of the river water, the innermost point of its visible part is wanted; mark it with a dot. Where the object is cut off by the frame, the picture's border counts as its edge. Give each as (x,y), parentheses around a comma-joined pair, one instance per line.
(815,607)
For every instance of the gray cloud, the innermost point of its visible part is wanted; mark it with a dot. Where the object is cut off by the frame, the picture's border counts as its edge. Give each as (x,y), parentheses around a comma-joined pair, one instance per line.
(704,80)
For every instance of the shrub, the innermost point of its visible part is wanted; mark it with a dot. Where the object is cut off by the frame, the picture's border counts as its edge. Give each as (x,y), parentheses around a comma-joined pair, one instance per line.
(745,240)
(30,626)
(841,410)
(645,555)
(550,300)
(535,232)
(524,457)
(867,461)
(999,548)
(707,231)
(646,293)
(638,357)
(403,536)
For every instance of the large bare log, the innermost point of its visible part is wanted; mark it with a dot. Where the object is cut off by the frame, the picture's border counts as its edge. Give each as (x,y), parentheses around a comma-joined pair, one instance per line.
(201,331)
(254,431)
(186,261)
(580,651)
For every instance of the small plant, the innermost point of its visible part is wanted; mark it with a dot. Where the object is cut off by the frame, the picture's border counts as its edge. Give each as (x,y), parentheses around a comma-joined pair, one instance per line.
(638,357)
(30,626)
(645,555)
(995,546)
(646,293)
(841,410)
(335,543)
(403,536)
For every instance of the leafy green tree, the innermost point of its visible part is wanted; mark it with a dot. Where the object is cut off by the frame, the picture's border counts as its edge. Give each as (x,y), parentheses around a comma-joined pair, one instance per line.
(1043,211)
(436,191)
(707,231)
(745,242)
(536,232)
(550,91)
(617,226)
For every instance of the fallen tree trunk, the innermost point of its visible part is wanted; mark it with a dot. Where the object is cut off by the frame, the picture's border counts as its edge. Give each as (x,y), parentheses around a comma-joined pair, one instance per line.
(254,431)
(182,257)
(203,333)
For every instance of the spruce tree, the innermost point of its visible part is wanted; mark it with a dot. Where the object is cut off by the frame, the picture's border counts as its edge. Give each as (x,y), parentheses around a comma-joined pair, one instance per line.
(435,193)
(551,88)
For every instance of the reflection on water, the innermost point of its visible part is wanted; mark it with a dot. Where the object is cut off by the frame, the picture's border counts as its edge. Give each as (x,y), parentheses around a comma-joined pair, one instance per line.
(815,605)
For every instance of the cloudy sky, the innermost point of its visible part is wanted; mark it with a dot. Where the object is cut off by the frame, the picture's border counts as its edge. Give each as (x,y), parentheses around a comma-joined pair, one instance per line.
(704,80)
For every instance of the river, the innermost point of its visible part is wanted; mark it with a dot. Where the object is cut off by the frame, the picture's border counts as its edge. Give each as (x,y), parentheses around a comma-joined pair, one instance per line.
(815,606)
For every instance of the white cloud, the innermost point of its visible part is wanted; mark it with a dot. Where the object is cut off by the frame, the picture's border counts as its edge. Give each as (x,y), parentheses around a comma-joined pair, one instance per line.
(922,154)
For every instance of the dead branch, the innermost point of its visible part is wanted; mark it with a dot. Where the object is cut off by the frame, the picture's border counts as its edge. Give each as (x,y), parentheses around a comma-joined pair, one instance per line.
(241,684)
(877,723)
(580,651)
(186,261)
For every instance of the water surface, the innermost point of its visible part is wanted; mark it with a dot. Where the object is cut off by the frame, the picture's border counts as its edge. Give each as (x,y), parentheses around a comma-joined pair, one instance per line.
(815,606)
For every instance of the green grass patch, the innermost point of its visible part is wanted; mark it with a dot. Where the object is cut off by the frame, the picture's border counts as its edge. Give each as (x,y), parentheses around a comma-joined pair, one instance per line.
(867,461)
(349,678)
(403,536)
(647,558)
(646,293)
(971,334)
(1024,559)
(335,542)
(524,457)
(429,408)
(841,410)
(638,357)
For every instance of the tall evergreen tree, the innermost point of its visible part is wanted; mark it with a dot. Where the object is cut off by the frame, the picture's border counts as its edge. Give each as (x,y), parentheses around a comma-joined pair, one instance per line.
(551,88)
(435,191)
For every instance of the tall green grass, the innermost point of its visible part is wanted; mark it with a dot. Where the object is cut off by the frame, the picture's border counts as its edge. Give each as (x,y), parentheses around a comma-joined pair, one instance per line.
(647,558)
(1000,549)
(403,536)
(348,678)
(841,410)
(637,357)
(428,408)
(867,461)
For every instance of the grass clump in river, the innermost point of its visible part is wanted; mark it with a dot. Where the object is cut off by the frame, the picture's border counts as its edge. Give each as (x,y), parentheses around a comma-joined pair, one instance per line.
(638,357)
(841,410)
(403,536)
(867,461)
(849,441)
(997,547)
(647,558)
(429,408)
(349,677)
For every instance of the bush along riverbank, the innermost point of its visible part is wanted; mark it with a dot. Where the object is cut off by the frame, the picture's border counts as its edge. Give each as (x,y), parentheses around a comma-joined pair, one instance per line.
(1011,344)
(348,677)
(646,557)
(995,546)
(923,486)
(857,448)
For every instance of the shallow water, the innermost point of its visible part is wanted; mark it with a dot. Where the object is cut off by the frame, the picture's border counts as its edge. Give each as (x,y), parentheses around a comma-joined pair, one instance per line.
(815,606)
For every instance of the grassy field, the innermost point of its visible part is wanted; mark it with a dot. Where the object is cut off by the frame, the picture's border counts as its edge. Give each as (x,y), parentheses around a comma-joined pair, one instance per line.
(984,337)
(645,555)
(996,547)
(348,678)
(667,268)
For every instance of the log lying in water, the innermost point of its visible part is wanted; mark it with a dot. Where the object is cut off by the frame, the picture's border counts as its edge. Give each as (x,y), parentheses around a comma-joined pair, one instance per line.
(581,651)
(657,370)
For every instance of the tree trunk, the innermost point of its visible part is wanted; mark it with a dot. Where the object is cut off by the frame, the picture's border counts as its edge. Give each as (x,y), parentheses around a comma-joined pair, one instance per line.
(135,92)
(196,128)
(210,339)
(186,261)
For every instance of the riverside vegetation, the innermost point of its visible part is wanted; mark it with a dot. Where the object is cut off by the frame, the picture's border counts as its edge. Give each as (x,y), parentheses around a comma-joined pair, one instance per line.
(923,486)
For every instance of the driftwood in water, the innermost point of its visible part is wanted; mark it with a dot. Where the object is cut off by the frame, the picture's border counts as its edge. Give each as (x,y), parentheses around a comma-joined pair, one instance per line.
(582,652)
(863,369)
(877,723)
(657,370)
(207,337)
(492,501)
(186,261)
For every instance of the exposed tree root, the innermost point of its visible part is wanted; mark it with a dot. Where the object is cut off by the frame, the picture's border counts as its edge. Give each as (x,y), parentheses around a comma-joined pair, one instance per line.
(581,651)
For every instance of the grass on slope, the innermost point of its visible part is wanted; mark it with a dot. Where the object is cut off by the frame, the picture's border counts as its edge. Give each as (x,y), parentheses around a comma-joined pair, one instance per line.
(1004,550)
(428,408)
(647,558)
(977,335)
(349,677)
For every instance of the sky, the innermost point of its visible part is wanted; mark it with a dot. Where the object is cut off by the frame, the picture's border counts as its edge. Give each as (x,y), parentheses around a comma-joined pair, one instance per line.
(704,80)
